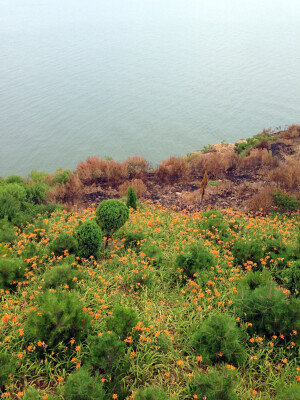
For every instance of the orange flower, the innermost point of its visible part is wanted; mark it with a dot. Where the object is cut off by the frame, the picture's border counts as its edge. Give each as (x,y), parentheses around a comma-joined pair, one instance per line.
(114,396)
(179,362)
(60,378)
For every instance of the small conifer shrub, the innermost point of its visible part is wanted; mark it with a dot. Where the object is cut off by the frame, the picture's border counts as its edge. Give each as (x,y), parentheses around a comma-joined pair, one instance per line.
(9,206)
(105,352)
(61,275)
(59,318)
(194,260)
(220,339)
(34,394)
(8,368)
(248,250)
(80,385)
(11,272)
(89,237)
(133,240)
(291,278)
(7,232)
(64,241)
(111,215)
(131,198)
(288,392)
(122,321)
(151,393)
(214,385)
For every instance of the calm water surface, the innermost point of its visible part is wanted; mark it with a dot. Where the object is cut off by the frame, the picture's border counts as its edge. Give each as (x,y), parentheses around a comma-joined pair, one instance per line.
(156,78)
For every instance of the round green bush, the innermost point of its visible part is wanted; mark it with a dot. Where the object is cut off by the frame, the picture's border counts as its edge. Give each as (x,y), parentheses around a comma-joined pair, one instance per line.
(219,339)
(80,385)
(11,272)
(194,260)
(89,238)
(151,393)
(105,351)
(214,385)
(64,241)
(59,317)
(61,275)
(269,311)
(131,198)
(111,215)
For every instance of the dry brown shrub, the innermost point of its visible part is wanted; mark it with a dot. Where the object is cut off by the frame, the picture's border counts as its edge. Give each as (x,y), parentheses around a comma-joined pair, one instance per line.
(287,174)
(67,193)
(115,172)
(256,159)
(173,170)
(261,201)
(293,131)
(91,170)
(216,164)
(137,166)
(137,184)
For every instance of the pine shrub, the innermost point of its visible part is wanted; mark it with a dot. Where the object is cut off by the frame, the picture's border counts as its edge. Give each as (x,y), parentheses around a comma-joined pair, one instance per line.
(34,394)
(36,192)
(220,339)
(111,215)
(133,240)
(122,321)
(131,198)
(151,393)
(89,237)
(11,272)
(80,385)
(64,241)
(250,250)
(59,318)
(8,368)
(61,275)
(9,206)
(7,232)
(213,385)
(268,310)
(288,392)
(194,260)
(291,278)
(105,352)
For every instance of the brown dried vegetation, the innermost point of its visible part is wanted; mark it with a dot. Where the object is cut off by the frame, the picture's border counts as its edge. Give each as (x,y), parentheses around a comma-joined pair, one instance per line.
(287,174)
(173,170)
(137,184)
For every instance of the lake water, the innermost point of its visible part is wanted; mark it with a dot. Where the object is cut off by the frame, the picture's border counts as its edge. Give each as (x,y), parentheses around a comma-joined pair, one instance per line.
(155,78)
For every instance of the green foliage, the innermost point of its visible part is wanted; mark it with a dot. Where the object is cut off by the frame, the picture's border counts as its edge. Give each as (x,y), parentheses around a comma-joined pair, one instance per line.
(105,352)
(122,321)
(288,392)
(15,190)
(286,202)
(214,223)
(8,367)
(250,250)
(89,237)
(217,335)
(64,241)
(268,310)
(133,240)
(61,275)
(291,278)
(131,198)
(34,394)
(61,176)
(11,272)
(37,176)
(7,232)
(80,385)
(61,319)
(9,206)
(254,279)
(153,253)
(213,183)
(111,215)
(36,193)
(214,385)
(15,179)
(151,393)
(195,260)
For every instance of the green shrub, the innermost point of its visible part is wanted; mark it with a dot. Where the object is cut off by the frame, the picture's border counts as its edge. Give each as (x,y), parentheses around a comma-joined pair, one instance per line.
(64,241)
(214,223)
(153,253)
(34,394)
(9,206)
(288,392)
(133,240)
(37,176)
(61,275)
(151,393)
(36,193)
(15,179)
(15,190)
(268,310)
(11,272)
(250,250)
(195,260)
(254,279)
(80,385)
(61,176)
(286,202)
(291,278)
(111,215)
(8,367)
(89,237)
(214,385)
(61,319)
(7,232)
(131,198)
(122,321)
(105,352)
(219,339)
